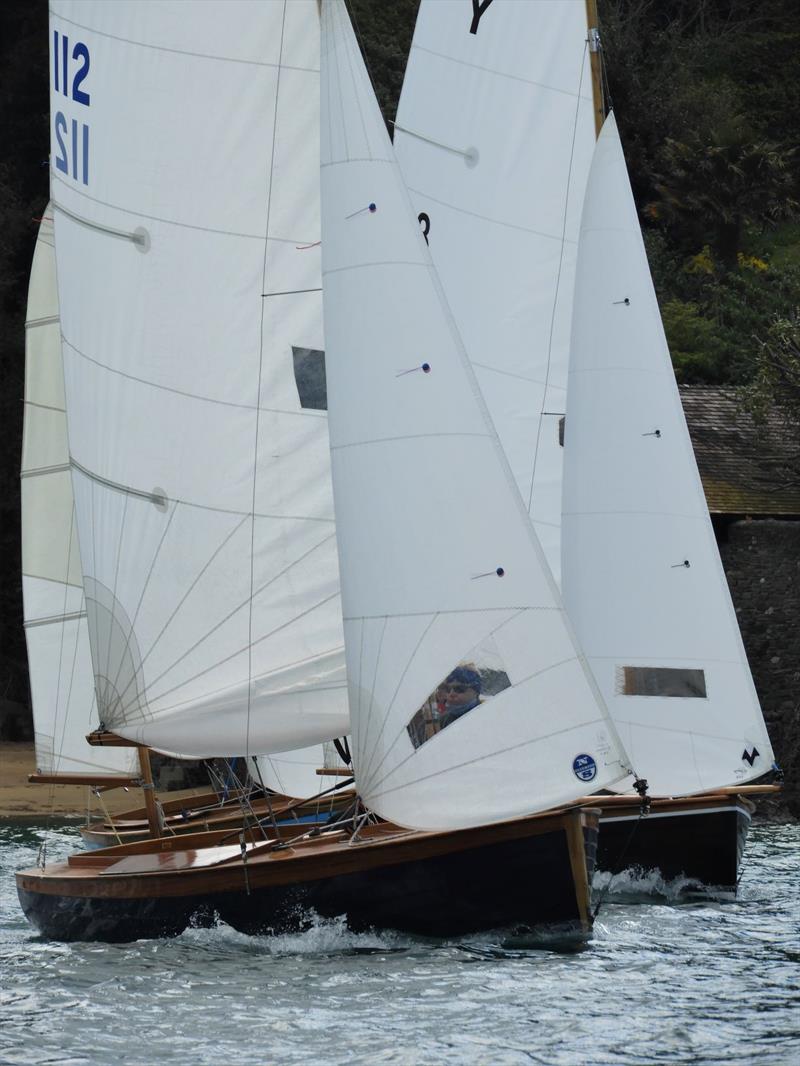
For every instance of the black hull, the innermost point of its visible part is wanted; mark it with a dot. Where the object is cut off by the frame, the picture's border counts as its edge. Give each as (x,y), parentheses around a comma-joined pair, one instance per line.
(704,846)
(527,884)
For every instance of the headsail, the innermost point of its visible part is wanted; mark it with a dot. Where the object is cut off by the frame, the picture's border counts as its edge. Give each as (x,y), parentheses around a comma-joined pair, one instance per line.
(643,582)
(443,578)
(494,136)
(59,663)
(185,180)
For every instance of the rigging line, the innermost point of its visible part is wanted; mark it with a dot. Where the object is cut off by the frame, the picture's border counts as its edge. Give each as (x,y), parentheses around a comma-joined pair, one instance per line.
(354,22)
(376,263)
(134,679)
(359,718)
(459,611)
(507,374)
(290,292)
(264,288)
(44,406)
(237,608)
(354,80)
(334,53)
(145,586)
(558,275)
(54,619)
(368,716)
(371,770)
(619,862)
(491,633)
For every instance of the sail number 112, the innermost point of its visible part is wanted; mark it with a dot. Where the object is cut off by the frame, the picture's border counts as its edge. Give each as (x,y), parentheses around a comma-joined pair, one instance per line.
(70,70)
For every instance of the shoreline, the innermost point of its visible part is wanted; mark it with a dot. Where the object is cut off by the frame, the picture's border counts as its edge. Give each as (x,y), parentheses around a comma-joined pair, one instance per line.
(21,800)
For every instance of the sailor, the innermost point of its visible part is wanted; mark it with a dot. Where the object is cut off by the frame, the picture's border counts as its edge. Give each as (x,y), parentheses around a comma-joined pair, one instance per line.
(463,688)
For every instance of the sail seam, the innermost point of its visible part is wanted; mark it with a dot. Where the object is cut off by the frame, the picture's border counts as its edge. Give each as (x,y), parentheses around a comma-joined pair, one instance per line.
(503,74)
(508,373)
(387,262)
(455,610)
(182,51)
(251,644)
(653,514)
(55,179)
(430,140)
(409,436)
(484,755)
(355,159)
(304,413)
(44,406)
(491,220)
(370,770)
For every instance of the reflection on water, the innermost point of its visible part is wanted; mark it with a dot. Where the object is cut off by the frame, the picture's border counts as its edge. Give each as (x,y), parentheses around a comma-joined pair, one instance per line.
(667,981)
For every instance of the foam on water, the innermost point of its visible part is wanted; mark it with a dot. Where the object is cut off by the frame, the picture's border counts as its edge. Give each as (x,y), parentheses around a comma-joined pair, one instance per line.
(667,982)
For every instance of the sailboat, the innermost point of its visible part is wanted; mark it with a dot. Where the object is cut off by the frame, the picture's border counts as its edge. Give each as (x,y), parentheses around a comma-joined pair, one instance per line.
(642,578)
(475,720)
(495,135)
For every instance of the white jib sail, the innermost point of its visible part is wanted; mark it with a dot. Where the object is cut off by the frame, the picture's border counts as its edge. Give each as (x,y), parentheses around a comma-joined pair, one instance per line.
(443,578)
(185,177)
(59,662)
(494,136)
(642,578)
(294,773)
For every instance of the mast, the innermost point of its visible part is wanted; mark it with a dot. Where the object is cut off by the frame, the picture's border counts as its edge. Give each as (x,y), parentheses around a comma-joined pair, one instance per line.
(595,62)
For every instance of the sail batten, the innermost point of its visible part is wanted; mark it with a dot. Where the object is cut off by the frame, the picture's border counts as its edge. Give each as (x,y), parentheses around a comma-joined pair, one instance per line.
(444,583)
(643,581)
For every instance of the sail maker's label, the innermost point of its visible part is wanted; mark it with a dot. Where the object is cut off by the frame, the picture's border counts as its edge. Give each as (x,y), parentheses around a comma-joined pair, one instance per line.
(584,767)
(71,64)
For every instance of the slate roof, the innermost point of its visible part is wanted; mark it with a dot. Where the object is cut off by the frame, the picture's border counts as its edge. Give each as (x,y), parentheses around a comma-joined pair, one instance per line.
(745,468)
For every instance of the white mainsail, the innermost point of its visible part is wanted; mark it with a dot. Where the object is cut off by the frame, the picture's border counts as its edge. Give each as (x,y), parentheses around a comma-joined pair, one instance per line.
(59,663)
(642,578)
(494,136)
(438,556)
(186,188)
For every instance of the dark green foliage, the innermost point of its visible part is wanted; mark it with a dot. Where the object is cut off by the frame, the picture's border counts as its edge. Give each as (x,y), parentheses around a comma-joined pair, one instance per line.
(23,196)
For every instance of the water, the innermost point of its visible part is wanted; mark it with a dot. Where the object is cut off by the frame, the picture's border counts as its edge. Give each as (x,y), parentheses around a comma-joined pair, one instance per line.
(663,981)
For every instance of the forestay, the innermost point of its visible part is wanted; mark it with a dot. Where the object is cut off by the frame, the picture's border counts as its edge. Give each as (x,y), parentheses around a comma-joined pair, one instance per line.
(442,574)
(643,582)
(494,135)
(59,663)
(186,183)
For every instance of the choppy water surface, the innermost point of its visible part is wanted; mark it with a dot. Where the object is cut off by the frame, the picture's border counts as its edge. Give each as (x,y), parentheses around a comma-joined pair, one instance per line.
(663,981)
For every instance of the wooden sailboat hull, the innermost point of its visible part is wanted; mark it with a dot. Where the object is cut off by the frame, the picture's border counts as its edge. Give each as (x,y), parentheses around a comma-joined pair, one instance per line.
(531,874)
(701,839)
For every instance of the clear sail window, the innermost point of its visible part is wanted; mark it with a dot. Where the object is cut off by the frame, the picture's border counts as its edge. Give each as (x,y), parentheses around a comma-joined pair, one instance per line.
(309,376)
(660,681)
(470,684)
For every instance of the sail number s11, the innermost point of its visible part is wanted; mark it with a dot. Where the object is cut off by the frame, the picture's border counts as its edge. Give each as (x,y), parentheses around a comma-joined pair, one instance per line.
(70,70)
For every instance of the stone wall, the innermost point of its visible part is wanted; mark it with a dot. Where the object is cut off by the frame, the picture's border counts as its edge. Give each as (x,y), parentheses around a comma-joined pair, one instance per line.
(762,561)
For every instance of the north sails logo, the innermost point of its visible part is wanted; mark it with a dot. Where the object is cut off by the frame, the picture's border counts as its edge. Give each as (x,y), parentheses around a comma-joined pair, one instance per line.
(750,756)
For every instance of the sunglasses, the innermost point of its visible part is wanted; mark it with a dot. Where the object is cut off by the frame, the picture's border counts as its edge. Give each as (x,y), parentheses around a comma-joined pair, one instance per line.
(457,688)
